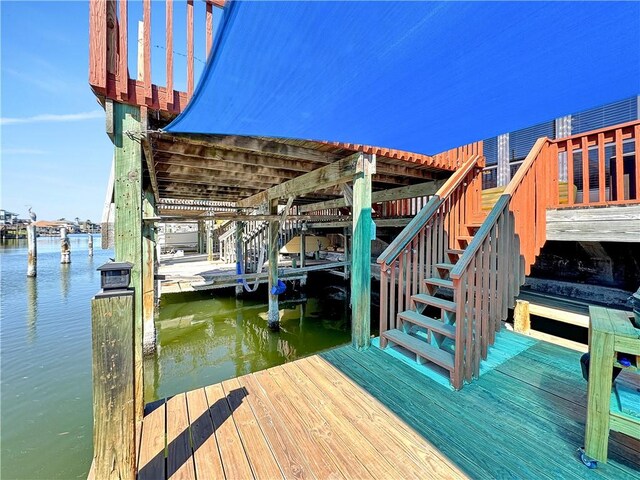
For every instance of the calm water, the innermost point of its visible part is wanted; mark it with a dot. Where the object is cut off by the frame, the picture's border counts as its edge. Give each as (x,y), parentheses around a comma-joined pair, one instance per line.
(45,335)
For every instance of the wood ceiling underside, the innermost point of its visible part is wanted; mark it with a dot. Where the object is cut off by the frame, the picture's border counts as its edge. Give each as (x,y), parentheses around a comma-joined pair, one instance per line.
(230,168)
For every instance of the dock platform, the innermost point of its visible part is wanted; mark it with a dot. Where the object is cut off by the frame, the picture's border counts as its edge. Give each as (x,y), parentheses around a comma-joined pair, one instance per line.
(193,273)
(349,414)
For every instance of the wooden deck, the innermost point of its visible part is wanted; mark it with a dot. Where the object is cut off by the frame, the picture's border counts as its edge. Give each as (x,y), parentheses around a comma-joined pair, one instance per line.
(346,414)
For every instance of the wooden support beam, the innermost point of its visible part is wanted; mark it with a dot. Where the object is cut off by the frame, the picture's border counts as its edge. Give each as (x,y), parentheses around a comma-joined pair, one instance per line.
(254,145)
(361,253)
(329,175)
(211,168)
(400,193)
(273,315)
(148,155)
(148,276)
(128,223)
(251,218)
(285,212)
(114,402)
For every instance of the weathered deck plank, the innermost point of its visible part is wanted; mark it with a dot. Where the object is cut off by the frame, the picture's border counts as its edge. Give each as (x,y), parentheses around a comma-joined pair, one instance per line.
(349,414)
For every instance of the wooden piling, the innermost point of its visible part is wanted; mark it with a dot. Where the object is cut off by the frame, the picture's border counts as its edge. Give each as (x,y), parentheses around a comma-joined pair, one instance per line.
(346,253)
(32,253)
(148,277)
(128,220)
(361,253)
(239,255)
(273,316)
(90,245)
(114,446)
(209,241)
(303,255)
(65,247)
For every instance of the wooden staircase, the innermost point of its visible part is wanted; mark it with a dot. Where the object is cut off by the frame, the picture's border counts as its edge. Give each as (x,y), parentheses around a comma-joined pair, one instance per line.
(428,327)
(449,278)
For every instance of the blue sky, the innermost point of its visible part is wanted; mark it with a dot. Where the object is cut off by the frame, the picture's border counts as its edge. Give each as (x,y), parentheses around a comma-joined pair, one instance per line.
(55,153)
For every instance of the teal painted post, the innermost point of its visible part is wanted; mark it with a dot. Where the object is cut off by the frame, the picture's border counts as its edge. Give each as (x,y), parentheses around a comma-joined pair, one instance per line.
(361,253)
(128,223)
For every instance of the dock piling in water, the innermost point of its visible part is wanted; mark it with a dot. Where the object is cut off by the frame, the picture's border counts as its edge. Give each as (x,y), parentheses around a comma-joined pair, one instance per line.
(90,244)
(32,254)
(65,247)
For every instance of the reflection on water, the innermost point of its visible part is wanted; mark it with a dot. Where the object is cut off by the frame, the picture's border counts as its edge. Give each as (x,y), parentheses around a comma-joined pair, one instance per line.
(204,340)
(46,360)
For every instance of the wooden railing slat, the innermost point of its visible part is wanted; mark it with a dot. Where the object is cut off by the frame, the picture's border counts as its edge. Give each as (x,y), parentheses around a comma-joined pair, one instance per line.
(209,33)
(570,197)
(146,18)
(619,166)
(169,51)
(189,48)
(98,44)
(122,77)
(636,134)
(585,170)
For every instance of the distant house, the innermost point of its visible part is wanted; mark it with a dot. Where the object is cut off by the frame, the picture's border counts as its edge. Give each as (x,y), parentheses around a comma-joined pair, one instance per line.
(7,217)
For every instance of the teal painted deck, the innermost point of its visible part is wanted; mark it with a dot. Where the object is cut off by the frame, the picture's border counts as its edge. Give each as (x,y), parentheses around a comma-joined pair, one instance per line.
(524,418)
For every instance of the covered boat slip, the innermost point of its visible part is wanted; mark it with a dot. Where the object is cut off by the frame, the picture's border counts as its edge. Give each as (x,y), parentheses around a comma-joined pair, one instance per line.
(348,414)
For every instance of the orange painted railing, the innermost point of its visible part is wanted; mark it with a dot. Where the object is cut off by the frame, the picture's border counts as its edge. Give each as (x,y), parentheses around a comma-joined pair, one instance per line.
(487,277)
(411,257)
(609,174)
(109,54)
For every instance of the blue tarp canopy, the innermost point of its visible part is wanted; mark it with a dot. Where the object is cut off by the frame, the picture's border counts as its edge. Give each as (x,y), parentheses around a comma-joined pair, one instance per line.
(415,76)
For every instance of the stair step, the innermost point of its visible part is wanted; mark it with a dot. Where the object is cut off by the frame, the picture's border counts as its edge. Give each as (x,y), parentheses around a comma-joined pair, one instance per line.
(420,348)
(455,251)
(466,238)
(429,323)
(435,301)
(439,282)
(444,266)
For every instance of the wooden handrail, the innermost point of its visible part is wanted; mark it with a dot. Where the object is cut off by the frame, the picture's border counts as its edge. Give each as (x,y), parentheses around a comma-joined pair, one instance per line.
(526,165)
(480,236)
(497,209)
(396,247)
(597,131)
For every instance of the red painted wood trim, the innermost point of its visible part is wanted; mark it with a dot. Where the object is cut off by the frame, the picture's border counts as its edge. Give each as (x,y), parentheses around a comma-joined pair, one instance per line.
(636,133)
(189,48)
(585,171)
(570,199)
(169,50)
(619,167)
(98,44)
(209,28)
(601,169)
(146,18)
(122,78)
